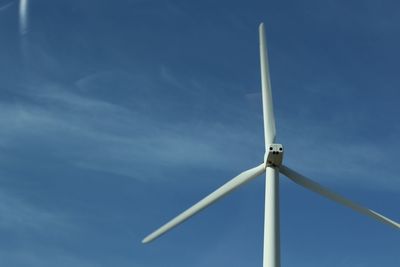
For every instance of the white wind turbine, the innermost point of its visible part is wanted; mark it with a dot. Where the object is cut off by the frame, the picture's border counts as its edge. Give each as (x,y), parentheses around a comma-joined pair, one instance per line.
(272,166)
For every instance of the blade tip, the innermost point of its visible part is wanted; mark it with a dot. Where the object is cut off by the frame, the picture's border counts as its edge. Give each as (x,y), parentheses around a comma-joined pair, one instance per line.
(146,240)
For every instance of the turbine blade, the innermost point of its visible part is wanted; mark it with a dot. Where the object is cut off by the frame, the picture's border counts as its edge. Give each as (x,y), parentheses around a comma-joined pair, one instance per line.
(317,188)
(208,200)
(268,110)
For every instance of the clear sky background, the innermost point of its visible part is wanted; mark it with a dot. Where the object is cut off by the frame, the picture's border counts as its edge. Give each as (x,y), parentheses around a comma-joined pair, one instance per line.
(117,115)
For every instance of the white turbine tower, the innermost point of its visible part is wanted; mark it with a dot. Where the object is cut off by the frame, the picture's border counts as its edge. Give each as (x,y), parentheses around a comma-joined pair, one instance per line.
(272,166)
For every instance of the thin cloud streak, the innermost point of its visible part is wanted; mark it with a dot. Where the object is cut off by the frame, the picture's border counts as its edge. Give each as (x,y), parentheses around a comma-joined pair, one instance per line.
(103,136)
(23,16)
(44,257)
(4,7)
(18,215)
(106,137)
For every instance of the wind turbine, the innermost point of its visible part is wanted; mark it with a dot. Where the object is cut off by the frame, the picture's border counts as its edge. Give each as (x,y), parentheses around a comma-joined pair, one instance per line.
(271,166)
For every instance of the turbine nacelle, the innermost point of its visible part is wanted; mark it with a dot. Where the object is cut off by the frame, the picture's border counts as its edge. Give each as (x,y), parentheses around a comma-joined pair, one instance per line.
(274,155)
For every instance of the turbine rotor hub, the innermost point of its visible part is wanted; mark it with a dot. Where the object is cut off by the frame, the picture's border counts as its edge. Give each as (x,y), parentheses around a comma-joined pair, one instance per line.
(274,155)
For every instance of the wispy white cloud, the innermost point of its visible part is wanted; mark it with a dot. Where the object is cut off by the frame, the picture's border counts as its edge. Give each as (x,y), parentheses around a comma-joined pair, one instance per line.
(322,151)
(99,135)
(167,76)
(5,6)
(23,16)
(35,257)
(19,216)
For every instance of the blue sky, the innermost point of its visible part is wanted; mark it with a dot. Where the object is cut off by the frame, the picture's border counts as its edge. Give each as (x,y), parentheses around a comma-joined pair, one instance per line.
(117,115)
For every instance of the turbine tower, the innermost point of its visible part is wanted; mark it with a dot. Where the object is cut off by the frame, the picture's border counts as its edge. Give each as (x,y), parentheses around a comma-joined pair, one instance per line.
(272,166)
